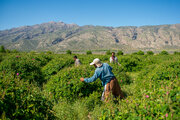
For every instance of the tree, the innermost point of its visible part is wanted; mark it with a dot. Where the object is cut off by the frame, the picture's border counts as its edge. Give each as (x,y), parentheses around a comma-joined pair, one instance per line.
(108,52)
(140,53)
(49,52)
(14,51)
(150,53)
(8,51)
(134,53)
(2,49)
(164,53)
(68,52)
(120,52)
(176,53)
(33,52)
(88,52)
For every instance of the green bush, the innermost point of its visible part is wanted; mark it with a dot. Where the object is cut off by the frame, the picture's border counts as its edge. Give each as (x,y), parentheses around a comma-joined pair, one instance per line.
(8,51)
(89,52)
(68,52)
(131,63)
(33,52)
(49,52)
(55,66)
(66,84)
(150,84)
(2,49)
(134,53)
(108,52)
(140,53)
(176,53)
(150,53)
(167,71)
(121,76)
(26,67)
(21,100)
(164,53)
(14,51)
(120,52)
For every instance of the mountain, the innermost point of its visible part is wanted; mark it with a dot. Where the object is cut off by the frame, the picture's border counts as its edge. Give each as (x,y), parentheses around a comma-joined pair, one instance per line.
(58,36)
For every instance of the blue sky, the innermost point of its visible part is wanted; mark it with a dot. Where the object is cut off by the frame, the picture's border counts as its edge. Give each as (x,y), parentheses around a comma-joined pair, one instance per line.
(15,13)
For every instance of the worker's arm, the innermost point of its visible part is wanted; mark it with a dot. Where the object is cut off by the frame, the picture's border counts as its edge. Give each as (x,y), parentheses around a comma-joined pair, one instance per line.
(93,78)
(111,60)
(110,67)
(116,59)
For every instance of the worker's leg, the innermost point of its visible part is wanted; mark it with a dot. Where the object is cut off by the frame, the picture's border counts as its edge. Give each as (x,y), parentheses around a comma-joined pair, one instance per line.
(103,94)
(115,88)
(108,92)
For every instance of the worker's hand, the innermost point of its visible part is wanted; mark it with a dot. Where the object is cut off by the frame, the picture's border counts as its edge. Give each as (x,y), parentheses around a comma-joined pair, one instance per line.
(119,64)
(82,79)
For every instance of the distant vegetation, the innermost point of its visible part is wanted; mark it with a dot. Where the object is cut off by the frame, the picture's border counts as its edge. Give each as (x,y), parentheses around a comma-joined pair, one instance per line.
(47,86)
(88,52)
(2,49)
(150,53)
(108,52)
(138,53)
(69,52)
(177,53)
(163,52)
(120,52)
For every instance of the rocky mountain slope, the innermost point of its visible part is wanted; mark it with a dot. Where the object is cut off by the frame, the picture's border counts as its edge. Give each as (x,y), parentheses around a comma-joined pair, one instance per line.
(58,36)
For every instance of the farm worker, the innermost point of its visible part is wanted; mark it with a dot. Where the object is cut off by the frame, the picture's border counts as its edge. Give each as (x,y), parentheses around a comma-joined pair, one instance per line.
(77,61)
(113,58)
(109,81)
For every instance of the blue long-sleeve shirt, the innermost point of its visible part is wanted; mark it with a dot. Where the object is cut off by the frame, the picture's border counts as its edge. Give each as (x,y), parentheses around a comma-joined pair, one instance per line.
(104,73)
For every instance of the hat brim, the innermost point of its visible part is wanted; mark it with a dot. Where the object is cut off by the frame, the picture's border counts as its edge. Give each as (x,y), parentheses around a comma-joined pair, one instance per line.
(92,63)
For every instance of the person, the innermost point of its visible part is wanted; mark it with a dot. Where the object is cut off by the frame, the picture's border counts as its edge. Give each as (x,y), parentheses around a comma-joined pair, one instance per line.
(109,81)
(113,58)
(77,61)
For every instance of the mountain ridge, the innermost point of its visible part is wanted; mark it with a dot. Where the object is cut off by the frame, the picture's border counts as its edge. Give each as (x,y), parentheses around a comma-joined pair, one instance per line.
(59,36)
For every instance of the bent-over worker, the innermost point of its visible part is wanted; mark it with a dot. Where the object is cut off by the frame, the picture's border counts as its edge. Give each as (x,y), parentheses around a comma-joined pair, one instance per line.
(109,81)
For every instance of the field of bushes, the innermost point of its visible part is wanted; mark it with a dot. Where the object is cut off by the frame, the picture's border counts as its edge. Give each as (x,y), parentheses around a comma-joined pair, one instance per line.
(47,86)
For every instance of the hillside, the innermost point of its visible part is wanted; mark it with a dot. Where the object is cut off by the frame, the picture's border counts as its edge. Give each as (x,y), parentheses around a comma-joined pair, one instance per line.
(58,36)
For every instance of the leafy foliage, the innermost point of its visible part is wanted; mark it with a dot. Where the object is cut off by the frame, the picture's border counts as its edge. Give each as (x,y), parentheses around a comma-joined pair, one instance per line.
(88,52)
(2,49)
(68,52)
(150,53)
(26,67)
(66,84)
(21,100)
(140,53)
(14,51)
(176,53)
(131,63)
(108,52)
(55,66)
(163,52)
(120,52)
(47,86)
